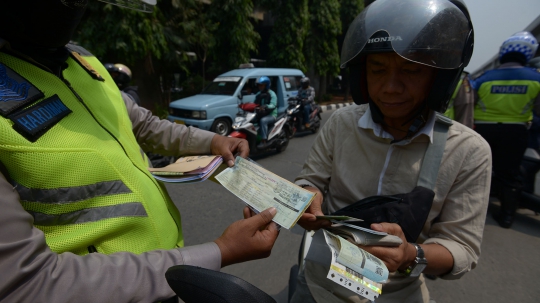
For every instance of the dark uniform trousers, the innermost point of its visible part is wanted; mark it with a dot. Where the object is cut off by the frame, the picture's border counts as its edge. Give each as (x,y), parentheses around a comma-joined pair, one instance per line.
(508,143)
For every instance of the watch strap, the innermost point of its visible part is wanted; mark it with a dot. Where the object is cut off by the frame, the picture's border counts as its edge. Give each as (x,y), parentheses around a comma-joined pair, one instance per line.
(419,251)
(419,256)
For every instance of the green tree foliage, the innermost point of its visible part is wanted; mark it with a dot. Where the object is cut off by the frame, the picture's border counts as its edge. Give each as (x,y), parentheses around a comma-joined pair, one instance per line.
(349,10)
(150,43)
(325,27)
(113,32)
(287,39)
(235,36)
(200,35)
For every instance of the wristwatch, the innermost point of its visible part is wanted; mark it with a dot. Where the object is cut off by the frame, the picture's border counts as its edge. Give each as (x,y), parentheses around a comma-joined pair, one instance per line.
(419,263)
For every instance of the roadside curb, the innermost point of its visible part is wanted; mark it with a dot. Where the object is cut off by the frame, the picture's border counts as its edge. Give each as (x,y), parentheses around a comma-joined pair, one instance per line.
(331,107)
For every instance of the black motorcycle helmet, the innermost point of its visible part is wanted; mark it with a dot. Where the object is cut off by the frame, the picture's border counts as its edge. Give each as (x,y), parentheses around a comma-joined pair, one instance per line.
(436,33)
(120,73)
(304,82)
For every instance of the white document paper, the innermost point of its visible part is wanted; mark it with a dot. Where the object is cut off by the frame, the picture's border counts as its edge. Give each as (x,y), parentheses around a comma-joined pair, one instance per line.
(262,189)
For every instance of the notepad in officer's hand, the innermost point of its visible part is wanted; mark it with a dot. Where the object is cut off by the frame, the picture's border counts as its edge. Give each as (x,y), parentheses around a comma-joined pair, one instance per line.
(188,169)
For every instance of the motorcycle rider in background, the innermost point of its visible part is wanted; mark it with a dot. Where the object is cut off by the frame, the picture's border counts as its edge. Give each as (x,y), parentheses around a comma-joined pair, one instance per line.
(307,94)
(505,98)
(121,75)
(267,109)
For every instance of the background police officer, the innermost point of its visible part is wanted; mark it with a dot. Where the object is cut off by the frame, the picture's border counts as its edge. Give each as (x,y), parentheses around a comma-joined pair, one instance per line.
(461,105)
(505,98)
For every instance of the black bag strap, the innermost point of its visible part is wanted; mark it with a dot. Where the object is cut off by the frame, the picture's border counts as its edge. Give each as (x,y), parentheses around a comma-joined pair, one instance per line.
(434,153)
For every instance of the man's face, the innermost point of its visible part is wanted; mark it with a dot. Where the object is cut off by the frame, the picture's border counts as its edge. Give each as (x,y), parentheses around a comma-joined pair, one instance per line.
(397,86)
(260,86)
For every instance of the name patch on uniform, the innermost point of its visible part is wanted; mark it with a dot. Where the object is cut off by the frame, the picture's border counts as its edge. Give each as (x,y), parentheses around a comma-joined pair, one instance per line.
(36,120)
(509,89)
(15,91)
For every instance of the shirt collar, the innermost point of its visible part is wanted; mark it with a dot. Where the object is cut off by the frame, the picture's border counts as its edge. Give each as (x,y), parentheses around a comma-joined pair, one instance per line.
(366,122)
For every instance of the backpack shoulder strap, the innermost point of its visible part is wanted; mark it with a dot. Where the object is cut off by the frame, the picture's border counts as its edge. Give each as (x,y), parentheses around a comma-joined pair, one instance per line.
(432,159)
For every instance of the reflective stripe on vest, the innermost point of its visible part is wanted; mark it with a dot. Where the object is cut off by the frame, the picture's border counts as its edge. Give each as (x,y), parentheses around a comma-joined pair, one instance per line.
(506,95)
(84,179)
(71,194)
(90,214)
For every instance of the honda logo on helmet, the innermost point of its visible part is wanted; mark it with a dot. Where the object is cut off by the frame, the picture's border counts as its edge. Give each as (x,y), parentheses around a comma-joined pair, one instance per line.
(385,39)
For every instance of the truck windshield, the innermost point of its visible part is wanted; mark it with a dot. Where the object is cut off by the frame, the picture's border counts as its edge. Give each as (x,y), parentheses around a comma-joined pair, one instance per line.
(222,86)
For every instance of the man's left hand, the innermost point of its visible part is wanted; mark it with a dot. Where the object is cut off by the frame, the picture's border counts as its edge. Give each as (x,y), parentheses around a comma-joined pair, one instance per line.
(398,257)
(227,147)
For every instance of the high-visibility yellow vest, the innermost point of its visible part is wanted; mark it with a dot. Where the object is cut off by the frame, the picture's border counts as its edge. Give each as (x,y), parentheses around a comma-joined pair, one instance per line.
(84,179)
(506,95)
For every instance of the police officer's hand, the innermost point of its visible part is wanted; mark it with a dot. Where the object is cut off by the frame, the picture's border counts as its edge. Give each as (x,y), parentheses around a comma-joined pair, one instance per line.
(308,220)
(227,147)
(248,239)
(397,257)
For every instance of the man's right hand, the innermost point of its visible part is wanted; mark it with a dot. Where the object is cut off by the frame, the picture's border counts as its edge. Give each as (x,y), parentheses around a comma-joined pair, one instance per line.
(248,239)
(308,220)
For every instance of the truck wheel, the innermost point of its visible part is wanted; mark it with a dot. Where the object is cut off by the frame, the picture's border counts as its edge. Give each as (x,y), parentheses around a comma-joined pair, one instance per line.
(221,126)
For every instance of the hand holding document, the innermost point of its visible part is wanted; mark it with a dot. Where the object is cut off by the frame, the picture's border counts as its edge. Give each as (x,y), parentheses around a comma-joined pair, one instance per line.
(262,189)
(188,169)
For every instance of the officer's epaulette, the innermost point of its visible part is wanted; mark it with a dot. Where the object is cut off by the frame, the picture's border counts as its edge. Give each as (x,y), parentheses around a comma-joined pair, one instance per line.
(78,53)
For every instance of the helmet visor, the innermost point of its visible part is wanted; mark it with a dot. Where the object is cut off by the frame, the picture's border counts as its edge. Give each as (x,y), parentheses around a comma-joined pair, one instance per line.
(146,6)
(430,32)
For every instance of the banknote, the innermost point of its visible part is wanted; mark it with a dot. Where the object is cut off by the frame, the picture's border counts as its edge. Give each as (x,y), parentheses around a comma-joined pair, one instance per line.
(262,189)
(354,268)
(357,259)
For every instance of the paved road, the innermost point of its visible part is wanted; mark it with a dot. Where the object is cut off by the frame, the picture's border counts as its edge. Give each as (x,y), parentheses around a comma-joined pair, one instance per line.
(509,268)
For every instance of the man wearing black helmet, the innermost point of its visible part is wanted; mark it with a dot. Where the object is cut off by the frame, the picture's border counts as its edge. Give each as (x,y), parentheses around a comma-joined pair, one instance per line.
(121,75)
(405,59)
(82,219)
(307,94)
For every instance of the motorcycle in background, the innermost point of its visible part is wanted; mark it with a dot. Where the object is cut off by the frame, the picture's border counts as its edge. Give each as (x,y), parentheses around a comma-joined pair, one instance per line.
(245,126)
(295,113)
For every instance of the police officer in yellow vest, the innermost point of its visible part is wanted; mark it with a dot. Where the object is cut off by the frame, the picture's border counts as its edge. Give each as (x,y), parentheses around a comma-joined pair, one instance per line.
(461,105)
(81,218)
(505,99)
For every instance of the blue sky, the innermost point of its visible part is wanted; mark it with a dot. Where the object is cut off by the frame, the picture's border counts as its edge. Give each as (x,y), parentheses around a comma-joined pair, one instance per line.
(496,20)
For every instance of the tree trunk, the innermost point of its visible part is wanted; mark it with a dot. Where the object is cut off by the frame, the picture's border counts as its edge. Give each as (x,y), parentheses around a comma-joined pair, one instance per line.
(345,85)
(149,85)
(323,85)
